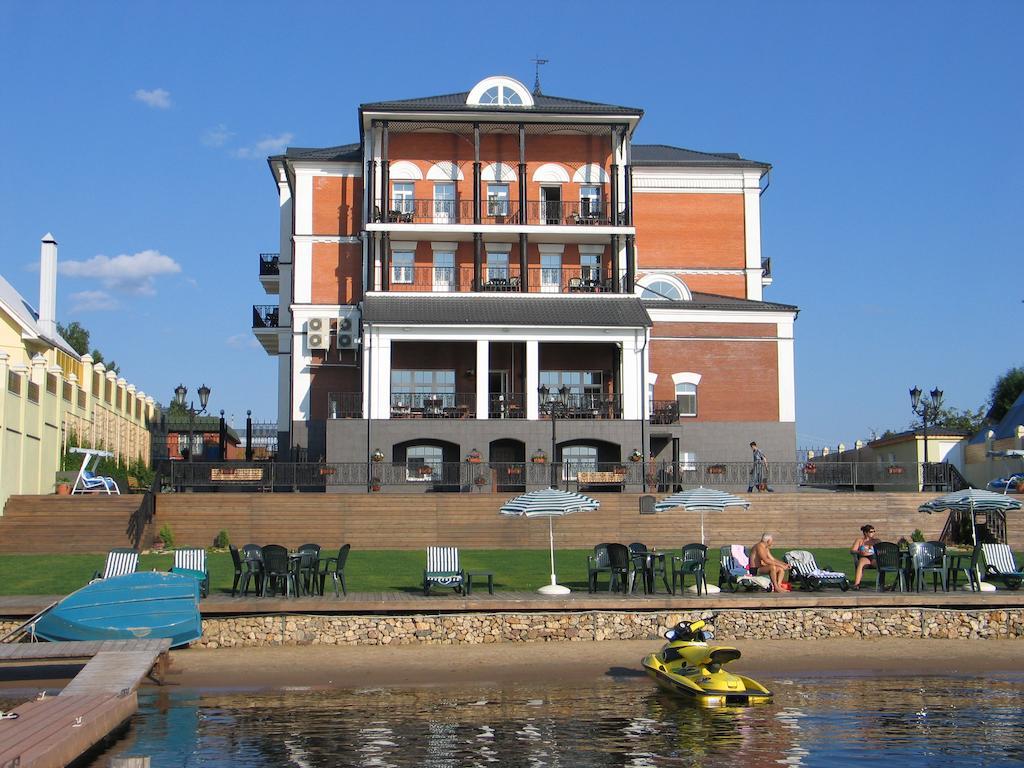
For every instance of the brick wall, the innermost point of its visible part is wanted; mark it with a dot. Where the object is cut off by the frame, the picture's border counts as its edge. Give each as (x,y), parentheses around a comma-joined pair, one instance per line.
(689,230)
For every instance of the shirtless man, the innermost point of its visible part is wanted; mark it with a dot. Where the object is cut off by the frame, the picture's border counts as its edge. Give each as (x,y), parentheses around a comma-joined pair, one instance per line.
(763,563)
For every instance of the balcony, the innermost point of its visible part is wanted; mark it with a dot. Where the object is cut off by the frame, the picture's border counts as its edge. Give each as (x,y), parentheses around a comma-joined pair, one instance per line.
(664,412)
(498,212)
(433,405)
(270,273)
(582,406)
(766,271)
(344,405)
(264,325)
(444,279)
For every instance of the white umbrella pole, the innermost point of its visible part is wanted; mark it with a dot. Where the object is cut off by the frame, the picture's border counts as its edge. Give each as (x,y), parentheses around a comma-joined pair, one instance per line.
(702,527)
(554,588)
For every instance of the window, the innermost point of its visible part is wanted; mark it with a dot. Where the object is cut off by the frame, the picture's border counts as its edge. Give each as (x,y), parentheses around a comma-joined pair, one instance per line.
(586,388)
(501,95)
(402,193)
(409,388)
(590,201)
(686,397)
(590,268)
(497,266)
(578,458)
(550,272)
(688,461)
(497,199)
(444,271)
(422,462)
(402,267)
(444,203)
(650,399)
(661,289)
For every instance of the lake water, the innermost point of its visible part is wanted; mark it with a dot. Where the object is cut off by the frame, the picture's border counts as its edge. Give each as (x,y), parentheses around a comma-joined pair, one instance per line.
(627,721)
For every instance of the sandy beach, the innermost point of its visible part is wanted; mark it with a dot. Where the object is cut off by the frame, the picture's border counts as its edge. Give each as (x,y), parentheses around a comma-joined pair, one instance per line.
(438,666)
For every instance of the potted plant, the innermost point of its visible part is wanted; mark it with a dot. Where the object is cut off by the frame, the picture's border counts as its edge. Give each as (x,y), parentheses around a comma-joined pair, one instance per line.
(514,470)
(539,457)
(716,469)
(636,455)
(425,469)
(473,457)
(480,480)
(809,468)
(377,455)
(375,483)
(327,470)
(895,470)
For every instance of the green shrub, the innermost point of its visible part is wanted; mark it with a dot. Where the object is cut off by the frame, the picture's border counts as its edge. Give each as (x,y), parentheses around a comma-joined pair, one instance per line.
(917,535)
(166,536)
(222,540)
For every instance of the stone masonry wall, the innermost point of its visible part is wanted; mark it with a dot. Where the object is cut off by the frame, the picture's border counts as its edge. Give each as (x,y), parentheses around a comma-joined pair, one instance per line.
(477,628)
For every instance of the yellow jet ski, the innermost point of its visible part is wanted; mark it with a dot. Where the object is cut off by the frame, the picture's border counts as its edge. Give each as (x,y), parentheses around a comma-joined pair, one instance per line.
(688,667)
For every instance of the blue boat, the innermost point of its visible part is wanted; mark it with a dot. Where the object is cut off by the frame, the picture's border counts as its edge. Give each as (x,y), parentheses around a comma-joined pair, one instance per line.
(144,605)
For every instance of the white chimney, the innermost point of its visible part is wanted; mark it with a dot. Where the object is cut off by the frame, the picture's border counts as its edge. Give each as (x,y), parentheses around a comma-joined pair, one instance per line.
(48,287)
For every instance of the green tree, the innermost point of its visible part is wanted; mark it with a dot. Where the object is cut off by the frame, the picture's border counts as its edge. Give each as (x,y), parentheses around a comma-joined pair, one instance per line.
(97,357)
(75,335)
(1004,392)
(966,419)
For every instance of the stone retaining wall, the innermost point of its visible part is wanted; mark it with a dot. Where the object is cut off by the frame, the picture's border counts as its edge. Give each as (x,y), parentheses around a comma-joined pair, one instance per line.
(476,628)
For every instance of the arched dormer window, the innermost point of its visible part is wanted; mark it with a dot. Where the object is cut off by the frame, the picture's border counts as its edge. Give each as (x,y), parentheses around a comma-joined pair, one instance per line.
(498,172)
(500,91)
(551,173)
(591,173)
(662,287)
(445,171)
(403,170)
(686,392)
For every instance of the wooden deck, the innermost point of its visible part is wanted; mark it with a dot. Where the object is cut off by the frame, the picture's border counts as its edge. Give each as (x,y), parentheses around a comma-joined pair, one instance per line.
(55,730)
(364,603)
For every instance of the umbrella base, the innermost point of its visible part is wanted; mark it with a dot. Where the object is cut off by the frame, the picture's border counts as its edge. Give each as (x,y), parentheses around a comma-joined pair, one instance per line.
(554,589)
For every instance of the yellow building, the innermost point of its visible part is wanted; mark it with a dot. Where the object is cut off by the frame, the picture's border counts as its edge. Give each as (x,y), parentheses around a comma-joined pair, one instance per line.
(49,391)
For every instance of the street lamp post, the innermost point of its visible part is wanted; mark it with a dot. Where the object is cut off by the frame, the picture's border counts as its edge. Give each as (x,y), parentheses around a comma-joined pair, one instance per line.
(928,410)
(180,392)
(554,406)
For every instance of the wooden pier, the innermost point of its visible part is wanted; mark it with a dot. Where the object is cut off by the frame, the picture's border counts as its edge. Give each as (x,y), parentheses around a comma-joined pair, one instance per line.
(54,730)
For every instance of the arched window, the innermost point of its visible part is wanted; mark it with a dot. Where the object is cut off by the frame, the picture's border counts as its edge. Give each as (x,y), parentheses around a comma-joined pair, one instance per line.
(662,287)
(686,392)
(422,461)
(500,91)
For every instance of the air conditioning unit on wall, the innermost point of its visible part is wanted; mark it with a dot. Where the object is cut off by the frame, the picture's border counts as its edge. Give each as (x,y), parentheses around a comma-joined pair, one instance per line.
(348,331)
(318,332)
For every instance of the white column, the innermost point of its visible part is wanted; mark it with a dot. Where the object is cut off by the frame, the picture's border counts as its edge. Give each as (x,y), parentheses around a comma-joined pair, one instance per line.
(380,378)
(302,379)
(752,227)
(483,367)
(4,418)
(787,375)
(632,364)
(285,253)
(533,380)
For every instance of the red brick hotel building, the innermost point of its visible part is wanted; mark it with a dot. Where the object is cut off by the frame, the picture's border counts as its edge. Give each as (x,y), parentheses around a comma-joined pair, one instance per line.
(483,263)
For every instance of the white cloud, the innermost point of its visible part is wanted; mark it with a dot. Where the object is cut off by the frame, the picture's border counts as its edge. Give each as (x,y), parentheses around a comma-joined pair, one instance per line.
(243,341)
(133,274)
(217,136)
(158,98)
(272,145)
(92,301)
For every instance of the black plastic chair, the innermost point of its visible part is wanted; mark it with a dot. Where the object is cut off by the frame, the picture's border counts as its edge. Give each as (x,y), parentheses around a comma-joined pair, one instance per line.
(929,557)
(598,563)
(693,561)
(307,567)
(889,559)
(966,564)
(236,561)
(277,571)
(252,560)
(337,573)
(620,559)
(649,565)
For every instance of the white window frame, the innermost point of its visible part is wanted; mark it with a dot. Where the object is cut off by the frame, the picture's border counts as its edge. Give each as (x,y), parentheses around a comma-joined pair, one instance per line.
(571,465)
(443,273)
(684,381)
(497,198)
(413,463)
(403,273)
(403,200)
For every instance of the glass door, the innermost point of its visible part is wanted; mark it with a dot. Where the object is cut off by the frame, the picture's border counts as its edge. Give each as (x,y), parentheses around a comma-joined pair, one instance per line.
(551,205)
(444,203)
(444,271)
(550,273)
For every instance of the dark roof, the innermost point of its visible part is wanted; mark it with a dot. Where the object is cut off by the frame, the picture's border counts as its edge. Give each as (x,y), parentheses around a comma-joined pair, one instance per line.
(456,102)
(342,153)
(713,301)
(508,309)
(663,154)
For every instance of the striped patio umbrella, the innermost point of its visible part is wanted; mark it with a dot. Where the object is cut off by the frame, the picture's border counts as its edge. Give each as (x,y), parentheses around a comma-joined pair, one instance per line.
(971,500)
(549,503)
(702,500)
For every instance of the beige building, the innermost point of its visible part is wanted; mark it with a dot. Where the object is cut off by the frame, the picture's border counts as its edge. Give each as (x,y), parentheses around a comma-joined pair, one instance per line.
(50,391)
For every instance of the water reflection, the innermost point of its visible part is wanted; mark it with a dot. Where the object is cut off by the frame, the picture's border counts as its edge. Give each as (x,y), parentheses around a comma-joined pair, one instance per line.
(623,723)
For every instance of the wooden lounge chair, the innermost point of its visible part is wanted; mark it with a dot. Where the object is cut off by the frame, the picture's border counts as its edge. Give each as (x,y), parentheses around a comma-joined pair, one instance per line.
(443,569)
(120,561)
(192,562)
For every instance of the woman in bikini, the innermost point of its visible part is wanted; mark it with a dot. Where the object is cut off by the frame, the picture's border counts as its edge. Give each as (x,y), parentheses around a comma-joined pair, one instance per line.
(864,549)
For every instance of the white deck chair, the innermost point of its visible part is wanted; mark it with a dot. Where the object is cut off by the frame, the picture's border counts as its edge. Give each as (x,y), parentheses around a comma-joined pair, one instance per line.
(193,561)
(89,482)
(805,570)
(119,562)
(443,569)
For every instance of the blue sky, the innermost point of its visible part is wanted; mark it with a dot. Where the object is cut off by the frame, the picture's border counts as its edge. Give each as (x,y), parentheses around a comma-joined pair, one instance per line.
(892,219)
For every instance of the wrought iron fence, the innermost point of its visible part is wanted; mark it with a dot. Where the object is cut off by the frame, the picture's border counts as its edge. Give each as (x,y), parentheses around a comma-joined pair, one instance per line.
(476,476)
(504,278)
(264,315)
(270,264)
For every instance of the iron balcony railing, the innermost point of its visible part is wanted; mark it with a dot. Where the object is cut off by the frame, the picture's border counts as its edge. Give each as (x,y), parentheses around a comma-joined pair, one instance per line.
(499,279)
(264,315)
(433,405)
(664,411)
(766,267)
(269,264)
(477,476)
(496,211)
(582,406)
(511,405)
(344,405)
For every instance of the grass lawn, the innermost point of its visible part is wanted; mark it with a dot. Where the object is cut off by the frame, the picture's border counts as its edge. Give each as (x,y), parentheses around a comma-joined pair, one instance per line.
(366,571)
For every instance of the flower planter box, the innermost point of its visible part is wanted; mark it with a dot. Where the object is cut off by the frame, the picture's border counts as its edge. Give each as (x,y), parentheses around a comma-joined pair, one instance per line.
(327,470)
(716,469)
(895,470)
